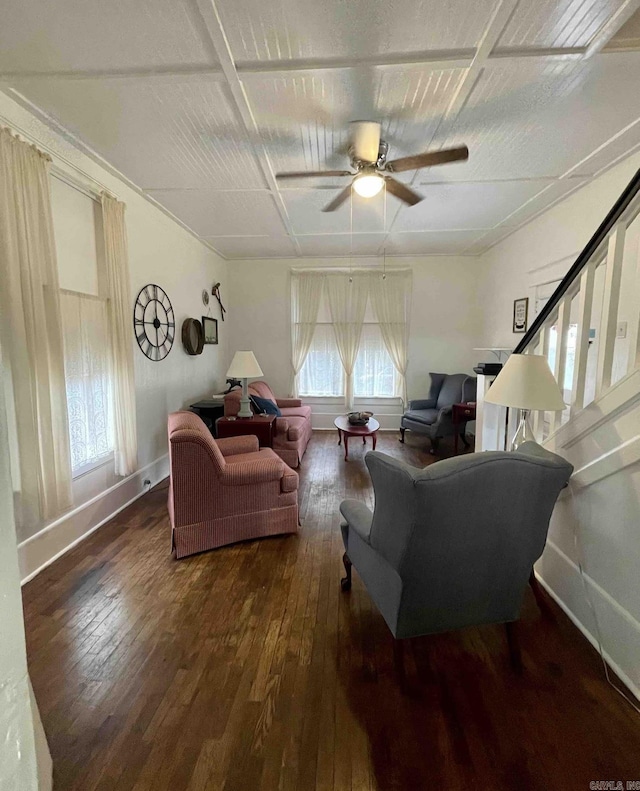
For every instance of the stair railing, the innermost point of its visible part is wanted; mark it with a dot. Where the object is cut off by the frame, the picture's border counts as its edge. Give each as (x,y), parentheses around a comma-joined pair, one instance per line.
(564,329)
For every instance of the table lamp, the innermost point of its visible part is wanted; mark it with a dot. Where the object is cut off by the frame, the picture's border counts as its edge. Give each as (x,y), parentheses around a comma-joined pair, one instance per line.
(526,383)
(243,366)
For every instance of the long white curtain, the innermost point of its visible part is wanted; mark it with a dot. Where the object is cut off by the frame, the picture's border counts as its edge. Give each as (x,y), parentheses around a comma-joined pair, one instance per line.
(347,296)
(32,333)
(391,300)
(86,359)
(306,292)
(120,335)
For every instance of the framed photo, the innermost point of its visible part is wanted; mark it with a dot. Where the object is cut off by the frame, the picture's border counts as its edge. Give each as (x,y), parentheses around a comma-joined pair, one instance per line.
(520,314)
(210,327)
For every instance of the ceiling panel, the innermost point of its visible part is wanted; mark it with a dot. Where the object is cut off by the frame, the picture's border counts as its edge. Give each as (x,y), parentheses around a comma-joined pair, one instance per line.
(304,208)
(532,120)
(160,134)
(628,36)
(298,29)
(551,193)
(95,35)
(304,117)
(211,213)
(464,206)
(430,242)
(341,245)
(557,23)
(484,241)
(239,247)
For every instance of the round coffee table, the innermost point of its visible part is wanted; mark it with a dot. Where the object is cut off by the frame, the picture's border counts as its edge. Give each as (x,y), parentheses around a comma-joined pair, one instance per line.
(346,430)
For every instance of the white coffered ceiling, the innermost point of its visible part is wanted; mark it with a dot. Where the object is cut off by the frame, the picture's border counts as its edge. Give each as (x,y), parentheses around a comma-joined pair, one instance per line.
(201,102)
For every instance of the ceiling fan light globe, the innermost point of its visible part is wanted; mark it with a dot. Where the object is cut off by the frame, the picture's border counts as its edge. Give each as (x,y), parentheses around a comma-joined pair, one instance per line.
(369,185)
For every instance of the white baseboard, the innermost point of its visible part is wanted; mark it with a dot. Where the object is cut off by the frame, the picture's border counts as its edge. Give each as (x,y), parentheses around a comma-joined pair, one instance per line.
(620,632)
(40,550)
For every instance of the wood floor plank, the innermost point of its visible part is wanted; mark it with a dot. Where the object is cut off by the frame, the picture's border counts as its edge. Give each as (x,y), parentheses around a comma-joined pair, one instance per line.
(248,668)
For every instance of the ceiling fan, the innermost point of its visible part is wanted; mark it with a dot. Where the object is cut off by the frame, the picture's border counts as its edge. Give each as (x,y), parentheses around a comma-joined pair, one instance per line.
(368,155)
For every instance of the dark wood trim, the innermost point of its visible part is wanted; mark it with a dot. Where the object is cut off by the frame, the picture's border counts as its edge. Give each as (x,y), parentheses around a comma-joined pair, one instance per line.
(345,582)
(515,656)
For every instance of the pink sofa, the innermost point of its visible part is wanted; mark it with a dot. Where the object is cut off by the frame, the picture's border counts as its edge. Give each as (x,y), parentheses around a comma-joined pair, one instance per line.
(225,491)
(292,430)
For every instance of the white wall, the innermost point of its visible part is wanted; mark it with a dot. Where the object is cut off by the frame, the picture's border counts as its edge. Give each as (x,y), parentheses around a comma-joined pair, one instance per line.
(597,524)
(544,250)
(160,251)
(25,763)
(444,322)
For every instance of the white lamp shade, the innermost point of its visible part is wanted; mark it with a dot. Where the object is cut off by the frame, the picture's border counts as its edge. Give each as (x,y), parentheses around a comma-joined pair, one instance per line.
(243,366)
(526,382)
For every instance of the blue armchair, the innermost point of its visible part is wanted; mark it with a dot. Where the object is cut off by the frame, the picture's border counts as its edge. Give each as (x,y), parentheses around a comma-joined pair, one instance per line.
(454,544)
(432,415)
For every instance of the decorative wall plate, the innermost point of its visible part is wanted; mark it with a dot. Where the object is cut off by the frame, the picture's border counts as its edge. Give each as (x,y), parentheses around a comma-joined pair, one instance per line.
(205,297)
(154,322)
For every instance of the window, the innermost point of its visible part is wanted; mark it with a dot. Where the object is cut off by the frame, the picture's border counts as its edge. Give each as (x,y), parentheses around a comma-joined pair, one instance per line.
(322,375)
(84,328)
(374,374)
(87,380)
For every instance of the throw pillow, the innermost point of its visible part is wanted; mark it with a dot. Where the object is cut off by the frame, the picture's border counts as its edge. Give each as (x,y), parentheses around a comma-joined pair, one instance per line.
(265,405)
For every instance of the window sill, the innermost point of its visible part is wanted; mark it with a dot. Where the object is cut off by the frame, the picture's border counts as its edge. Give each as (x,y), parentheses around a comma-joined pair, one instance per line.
(359,401)
(87,468)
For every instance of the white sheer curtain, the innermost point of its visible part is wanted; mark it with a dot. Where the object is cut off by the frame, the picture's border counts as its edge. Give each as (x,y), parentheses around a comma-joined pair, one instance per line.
(391,299)
(347,296)
(32,333)
(86,362)
(306,292)
(120,335)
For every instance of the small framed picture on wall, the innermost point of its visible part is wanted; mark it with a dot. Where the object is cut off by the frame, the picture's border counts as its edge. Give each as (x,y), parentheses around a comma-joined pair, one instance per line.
(210,327)
(520,314)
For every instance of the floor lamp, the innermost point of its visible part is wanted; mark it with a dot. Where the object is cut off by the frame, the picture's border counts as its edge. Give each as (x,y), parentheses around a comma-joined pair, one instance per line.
(244,366)
(526,383)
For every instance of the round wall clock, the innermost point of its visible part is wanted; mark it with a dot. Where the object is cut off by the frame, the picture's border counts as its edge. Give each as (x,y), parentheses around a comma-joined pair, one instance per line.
(154,322)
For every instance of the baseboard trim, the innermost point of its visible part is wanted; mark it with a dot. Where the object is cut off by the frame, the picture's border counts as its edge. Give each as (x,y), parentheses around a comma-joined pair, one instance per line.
(57,538)
(631,687)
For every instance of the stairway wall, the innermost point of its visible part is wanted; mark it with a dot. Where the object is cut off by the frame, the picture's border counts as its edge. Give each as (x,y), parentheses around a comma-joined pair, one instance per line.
(543,251)
(596,523)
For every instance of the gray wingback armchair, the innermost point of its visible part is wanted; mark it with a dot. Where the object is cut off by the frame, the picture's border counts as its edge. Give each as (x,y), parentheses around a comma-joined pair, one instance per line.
(432,415)
(454,544)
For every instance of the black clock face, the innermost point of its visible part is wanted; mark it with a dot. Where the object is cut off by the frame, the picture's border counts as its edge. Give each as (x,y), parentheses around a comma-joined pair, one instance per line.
(154,322)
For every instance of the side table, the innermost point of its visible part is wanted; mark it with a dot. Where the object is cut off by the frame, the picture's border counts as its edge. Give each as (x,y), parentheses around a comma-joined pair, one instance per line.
(260,426)
(461,414)
(209,409)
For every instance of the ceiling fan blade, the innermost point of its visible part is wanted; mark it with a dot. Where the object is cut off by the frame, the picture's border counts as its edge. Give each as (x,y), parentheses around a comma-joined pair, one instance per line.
(340,198)
(313,174)
(428,159)
(402,191)
(365,137)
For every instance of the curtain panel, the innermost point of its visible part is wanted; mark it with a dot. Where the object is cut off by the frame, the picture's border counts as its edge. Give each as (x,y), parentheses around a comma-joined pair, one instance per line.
(31,333)
(120,338)
(391,300)
(347,295)
(306,291)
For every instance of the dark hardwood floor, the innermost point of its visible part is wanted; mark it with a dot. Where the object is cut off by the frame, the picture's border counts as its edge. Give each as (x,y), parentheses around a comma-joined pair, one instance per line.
(247,668)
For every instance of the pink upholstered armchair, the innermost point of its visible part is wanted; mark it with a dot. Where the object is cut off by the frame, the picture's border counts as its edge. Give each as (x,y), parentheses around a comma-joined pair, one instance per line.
(225,491)
(292,431)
